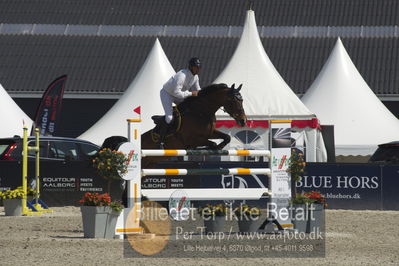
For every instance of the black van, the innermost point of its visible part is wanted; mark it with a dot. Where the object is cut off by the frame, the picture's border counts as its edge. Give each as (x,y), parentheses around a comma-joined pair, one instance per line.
(66,172)
(51,148)
(386,153)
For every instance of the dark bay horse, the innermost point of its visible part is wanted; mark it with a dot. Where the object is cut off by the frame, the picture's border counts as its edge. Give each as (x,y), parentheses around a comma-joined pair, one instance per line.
(198,121)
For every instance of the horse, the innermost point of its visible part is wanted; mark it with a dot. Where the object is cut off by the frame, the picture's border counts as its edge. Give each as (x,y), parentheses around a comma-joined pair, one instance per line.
(196,125)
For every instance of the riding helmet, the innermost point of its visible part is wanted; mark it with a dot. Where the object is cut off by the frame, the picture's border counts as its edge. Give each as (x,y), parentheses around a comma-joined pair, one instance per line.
(194,62)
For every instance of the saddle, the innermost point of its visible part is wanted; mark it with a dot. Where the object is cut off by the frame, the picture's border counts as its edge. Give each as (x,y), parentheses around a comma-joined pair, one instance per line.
(174,126)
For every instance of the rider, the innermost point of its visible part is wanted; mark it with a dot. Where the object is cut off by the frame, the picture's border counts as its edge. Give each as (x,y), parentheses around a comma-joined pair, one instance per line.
(183,84)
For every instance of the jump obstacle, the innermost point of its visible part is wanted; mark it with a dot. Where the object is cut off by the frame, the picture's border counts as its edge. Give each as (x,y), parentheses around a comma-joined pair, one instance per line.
(134,137)
(37,206)
(134,190)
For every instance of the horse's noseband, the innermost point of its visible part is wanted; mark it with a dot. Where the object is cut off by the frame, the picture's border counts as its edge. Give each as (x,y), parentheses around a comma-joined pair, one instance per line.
(238,96)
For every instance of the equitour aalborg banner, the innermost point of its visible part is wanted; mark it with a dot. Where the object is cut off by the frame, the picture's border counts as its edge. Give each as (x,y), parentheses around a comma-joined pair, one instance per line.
(49,108)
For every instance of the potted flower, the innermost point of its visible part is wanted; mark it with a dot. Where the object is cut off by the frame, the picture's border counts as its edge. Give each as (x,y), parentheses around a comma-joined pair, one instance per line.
(299,208)
(296,167)
(99,215)
(110,165)
(12,200)
(214,217)
(299,202)
(247,217)
(31,194)
(308,211)
(316,210)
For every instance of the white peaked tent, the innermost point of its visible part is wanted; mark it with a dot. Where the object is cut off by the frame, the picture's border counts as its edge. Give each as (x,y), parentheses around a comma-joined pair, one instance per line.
(12,118)
(340,97)
(143,91)
(266,95)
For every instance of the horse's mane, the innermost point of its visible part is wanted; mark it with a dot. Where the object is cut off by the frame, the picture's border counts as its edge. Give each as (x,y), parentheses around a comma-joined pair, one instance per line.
(204,92)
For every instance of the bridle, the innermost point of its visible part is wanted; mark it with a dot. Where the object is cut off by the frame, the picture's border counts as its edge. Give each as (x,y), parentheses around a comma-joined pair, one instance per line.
(238,97)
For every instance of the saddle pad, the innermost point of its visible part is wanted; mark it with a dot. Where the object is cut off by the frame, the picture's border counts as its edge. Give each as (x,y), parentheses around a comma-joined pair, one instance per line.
(173,128)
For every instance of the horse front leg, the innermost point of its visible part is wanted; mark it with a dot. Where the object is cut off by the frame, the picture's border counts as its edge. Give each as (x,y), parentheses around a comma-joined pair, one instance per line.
(208,144)
(216,134)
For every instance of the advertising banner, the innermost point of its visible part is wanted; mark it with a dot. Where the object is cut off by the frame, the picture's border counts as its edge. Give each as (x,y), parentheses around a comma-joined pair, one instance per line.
(390,185)
(172,182)
(346,186)
(49,108)
(234,181)
(281,180)
(62,183)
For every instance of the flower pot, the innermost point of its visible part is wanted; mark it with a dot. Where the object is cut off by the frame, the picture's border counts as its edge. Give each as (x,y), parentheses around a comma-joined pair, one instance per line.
(316,218)
(214,224)
(300,217)
(98,222)
(248,225)
(111,224)
(12,207)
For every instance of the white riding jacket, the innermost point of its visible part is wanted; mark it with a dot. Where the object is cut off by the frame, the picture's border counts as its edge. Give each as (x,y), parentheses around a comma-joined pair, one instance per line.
(181,85)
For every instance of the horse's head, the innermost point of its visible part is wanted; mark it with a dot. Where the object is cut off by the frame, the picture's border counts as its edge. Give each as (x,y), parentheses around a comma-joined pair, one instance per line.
(233,105)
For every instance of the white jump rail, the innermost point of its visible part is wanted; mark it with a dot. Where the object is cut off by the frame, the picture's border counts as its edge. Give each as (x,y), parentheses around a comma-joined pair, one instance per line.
(209,193)
(145,153)
(226,171)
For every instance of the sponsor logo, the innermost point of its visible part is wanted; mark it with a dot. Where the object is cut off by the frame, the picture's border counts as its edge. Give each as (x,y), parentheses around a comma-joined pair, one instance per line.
(132,157)
(350,182)
(280,163)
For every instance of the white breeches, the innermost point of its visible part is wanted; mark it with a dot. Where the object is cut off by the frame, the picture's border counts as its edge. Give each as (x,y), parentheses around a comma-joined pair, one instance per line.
(167,101)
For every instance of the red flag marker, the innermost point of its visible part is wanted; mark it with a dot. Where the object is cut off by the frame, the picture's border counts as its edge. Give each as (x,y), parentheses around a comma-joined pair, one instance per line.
(137,110)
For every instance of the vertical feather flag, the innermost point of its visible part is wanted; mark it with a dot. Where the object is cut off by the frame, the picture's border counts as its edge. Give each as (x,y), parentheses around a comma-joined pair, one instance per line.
(49,108)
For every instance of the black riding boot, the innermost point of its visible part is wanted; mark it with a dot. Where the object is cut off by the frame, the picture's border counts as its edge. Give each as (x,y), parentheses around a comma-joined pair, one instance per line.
(162,134)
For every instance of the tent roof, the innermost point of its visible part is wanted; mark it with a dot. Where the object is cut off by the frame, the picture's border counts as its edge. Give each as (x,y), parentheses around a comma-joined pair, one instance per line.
(143,91)
(339,96)
(265,93)
(12,117)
